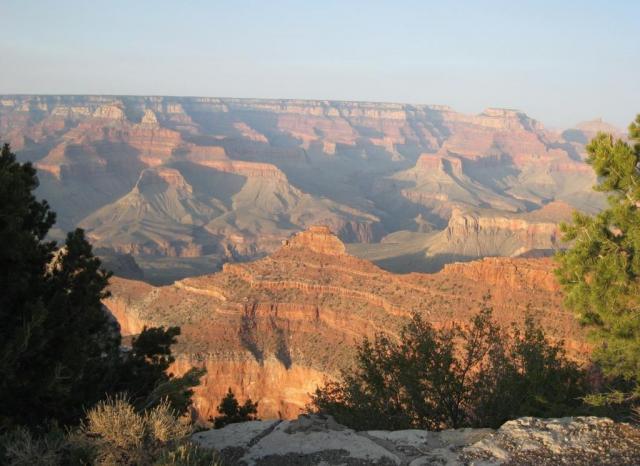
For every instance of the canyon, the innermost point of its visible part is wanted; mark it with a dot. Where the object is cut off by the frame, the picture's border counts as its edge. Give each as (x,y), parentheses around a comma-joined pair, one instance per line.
(277,234)
(276,328)
(173,187)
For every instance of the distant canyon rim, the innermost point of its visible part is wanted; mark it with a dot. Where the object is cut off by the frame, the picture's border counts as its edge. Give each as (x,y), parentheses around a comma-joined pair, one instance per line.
(170,187)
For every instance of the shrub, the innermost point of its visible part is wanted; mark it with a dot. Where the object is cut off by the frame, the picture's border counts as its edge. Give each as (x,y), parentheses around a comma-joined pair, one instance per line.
(189,454)
(114,433)
(20,448)
(117,422)
(533,378)
(122,435)
(163,425)
(476,375)
(231,411)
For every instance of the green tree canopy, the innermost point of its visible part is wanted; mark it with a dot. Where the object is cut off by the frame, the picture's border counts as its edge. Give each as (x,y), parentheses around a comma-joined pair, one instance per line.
(231,411)
(600,271)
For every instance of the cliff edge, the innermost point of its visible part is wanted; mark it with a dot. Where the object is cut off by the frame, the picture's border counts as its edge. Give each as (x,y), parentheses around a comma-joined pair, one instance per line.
(318,440)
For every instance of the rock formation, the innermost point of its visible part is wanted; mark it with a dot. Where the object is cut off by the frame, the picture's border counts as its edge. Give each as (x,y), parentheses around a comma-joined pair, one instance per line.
(479,234)
(317,238)
(319,440)
(276,328)
(471,233)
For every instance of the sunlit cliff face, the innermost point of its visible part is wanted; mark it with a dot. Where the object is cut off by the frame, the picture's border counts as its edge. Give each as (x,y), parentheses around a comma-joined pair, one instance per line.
(274,329)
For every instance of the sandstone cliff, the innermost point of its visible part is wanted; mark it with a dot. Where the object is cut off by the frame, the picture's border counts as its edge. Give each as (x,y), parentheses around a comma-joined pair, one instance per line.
(479,234)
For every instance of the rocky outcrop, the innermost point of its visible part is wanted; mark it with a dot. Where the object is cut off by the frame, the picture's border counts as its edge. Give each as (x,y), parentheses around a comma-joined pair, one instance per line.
(480,233)
(509,274)
(155,218)
(149,119)
(122,265)
(318,239)
(597,125)
(442,182)
(319,440)
(248,169)
(465,228)
(110,112)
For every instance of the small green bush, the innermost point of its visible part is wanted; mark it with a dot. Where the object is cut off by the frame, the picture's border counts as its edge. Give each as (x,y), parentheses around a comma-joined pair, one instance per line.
(231,411)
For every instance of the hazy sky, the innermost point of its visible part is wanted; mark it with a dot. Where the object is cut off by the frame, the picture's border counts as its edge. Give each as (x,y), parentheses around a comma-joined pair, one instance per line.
(560,61)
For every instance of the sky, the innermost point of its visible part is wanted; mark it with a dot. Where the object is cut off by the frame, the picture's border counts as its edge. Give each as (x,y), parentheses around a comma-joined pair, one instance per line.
(559,61)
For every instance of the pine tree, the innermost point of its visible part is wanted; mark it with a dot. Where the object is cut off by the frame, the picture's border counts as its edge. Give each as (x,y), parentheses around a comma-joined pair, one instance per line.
(143,373)
(24,255)
(231,411)
(600,271)
(60,351)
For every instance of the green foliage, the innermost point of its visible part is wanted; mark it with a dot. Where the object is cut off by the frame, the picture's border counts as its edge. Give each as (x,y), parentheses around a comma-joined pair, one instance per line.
(533,377)
(176,390)
(60,352)
(144,376)
(600,271)
(231,411)
(24,223)
(56,341)
(476,375)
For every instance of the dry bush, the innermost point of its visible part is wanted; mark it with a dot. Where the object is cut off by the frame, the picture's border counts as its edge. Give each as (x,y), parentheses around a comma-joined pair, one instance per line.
(116,421)
(189,454)
(164,425)
(113,434)
(159,436)
(21,448)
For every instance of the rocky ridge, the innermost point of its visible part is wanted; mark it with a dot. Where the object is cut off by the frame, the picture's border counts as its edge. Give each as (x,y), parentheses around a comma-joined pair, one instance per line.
(319,440)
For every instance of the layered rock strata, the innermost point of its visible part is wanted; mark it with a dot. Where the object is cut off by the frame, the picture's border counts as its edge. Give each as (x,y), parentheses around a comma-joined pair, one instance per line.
(275,329)
(265,169)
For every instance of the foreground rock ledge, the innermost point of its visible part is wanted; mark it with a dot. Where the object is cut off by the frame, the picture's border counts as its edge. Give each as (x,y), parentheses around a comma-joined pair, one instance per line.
(318,440)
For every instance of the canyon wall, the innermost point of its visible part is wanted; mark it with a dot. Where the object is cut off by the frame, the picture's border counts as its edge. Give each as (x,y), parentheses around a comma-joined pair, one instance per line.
(274,329)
